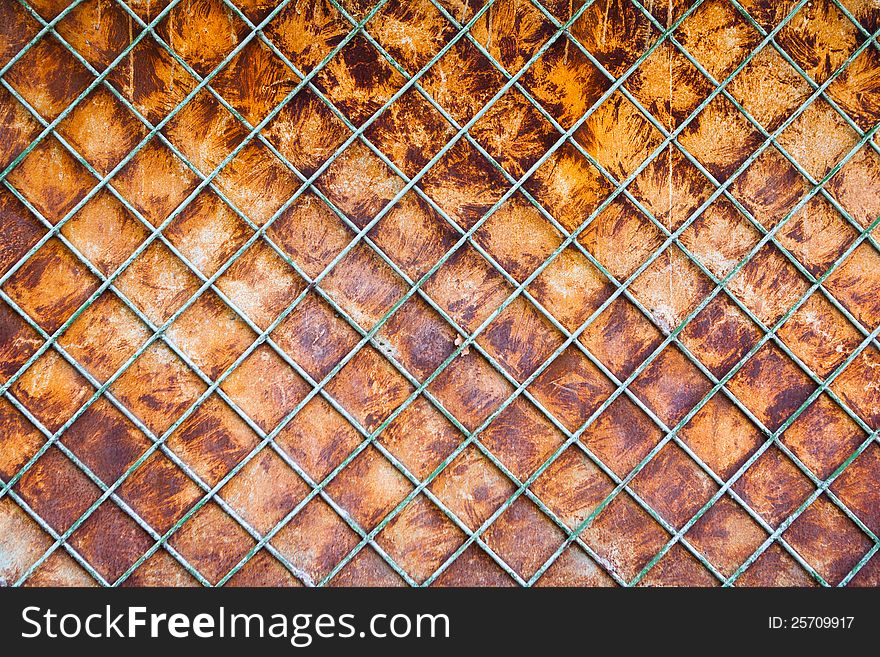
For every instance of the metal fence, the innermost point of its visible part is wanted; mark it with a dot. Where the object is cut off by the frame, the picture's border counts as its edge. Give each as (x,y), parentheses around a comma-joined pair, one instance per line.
(368,335)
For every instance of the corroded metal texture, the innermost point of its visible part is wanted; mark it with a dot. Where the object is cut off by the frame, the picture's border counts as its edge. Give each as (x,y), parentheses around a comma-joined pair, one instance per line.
(439,292)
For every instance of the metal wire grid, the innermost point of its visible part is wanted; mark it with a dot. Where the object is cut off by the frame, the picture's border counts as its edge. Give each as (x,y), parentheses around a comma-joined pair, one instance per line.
(369,336)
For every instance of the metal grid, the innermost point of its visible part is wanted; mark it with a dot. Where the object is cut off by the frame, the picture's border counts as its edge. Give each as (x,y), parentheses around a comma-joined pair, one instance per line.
(368,335)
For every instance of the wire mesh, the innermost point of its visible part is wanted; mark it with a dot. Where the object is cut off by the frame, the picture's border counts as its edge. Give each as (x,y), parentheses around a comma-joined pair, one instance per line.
(571,534)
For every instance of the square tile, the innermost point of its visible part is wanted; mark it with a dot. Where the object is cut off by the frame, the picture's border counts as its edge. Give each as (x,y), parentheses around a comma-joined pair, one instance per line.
(819,38)
(257,183)
(104,336)
(726,535)
(771,386)
(370,388)
(464,184)
(105,232)
(625,537)
(260,284)
(823,436)
(827,540)
(518,237)
(565,82)
(18,341)
(315,540)
(722,436)
(857,386)
(673,485)
(571,288)
(213,440)
(48,88)
(820,335)
(838,139)
(254,96)
(721,138)
(521,438)
(102,130)
(305,35)
(172,388)
(853,284)
(157,283)
(414,235)
(568,186)
(471,389)
(671,386)
(315,336)
(279,391)
(572,487)
(472,487)
(344,80)
(364,285)
(774,487)
(264,491)
(524,537)
(671,288)
(720,335)
(714,22)
(514,133)
(521,339)
(619,136)
(211,334)
(616,34)
(309,232)
(463,81)
(572,388)
(854,488)
(211,542)
(183,27)
(420,538)
(622,436)
(621,337)
(52,180)
(421,438)
(306,131)
(359,184)
(149,61)
(159,492)
(369,488)
(52,390)
(318,438)
(208,232)
(110,541)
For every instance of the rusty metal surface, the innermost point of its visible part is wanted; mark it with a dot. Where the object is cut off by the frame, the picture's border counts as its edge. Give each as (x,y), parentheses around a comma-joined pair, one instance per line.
(440,292)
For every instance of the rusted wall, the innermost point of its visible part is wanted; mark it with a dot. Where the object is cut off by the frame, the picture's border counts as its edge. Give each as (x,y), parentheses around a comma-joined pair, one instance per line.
(767,382)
